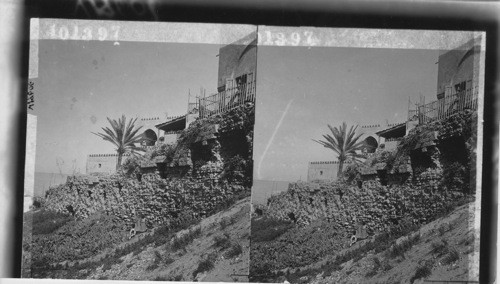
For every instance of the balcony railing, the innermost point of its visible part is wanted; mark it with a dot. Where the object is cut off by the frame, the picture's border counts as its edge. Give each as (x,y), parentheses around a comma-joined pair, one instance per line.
(227,100)
(445,107)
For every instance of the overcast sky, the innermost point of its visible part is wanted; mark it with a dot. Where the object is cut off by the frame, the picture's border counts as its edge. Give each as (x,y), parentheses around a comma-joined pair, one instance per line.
(81,83)
(300,90)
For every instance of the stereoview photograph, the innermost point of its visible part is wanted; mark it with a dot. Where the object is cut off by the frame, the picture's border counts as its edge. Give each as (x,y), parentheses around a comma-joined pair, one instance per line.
(367,146)
(139,152)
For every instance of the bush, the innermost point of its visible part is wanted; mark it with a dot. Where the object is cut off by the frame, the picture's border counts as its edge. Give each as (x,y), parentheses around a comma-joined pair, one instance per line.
(184,240)
(222,242)
(422,271)
(268,229)
(205,264)
(46,222)
(440,248)
(234,250)
(226,221)
(401,248)
(452,256)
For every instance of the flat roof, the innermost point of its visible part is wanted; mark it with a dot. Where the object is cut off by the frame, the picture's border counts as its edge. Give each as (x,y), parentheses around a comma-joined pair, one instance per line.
(175,124)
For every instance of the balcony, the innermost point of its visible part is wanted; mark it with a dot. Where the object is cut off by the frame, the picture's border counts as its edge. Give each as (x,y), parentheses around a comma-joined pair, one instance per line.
(226,100)
(446,106)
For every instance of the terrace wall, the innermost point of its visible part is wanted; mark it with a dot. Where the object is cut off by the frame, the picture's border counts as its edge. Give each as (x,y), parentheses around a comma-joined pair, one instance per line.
(344,206)
(159,201)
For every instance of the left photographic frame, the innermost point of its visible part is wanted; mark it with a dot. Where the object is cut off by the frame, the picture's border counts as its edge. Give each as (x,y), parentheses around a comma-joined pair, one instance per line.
(139,150)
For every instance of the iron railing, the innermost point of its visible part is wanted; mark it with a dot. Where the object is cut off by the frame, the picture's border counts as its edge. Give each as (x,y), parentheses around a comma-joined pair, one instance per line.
(227,99)
(447,106)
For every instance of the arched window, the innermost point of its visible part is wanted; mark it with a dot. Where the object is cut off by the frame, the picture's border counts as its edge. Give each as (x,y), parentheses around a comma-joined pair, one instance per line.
(370,144)
(149,138)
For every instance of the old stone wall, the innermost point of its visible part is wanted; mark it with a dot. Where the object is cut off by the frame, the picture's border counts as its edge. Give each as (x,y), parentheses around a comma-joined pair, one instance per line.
(322,171)
(102,163)
(160,201)
(344,205)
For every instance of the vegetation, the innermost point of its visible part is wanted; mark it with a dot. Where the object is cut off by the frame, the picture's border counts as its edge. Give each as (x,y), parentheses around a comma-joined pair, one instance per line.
(267,229)
(452,256)
(343,142)
(205,264)
(422,271)
(123,136)
(222,242)
(185,239)
(46,222)
(235,250)
(399,249)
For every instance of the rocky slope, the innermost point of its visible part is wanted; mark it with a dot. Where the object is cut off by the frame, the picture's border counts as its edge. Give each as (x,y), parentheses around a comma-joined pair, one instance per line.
(215,248)
(445,249)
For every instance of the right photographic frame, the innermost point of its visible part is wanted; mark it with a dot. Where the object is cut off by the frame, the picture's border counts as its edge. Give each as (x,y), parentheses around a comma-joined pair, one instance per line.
(367,156)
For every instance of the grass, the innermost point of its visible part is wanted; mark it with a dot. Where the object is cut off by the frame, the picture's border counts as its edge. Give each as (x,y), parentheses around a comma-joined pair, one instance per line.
(184,240)
(205,264)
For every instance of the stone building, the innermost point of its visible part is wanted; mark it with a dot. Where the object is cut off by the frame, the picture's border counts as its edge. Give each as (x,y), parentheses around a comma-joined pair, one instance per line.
(458,69)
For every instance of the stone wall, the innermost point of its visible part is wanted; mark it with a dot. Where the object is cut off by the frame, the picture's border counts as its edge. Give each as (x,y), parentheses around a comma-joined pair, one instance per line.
(102,163)
(322,171)
(160,201)
(344,205)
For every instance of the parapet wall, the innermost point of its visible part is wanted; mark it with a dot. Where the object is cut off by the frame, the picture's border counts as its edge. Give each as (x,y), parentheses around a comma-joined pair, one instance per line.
(102,163)
(160,201)
(344,206)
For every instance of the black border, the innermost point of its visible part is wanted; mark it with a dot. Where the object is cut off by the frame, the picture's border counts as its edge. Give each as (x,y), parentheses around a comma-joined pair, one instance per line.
(348,14)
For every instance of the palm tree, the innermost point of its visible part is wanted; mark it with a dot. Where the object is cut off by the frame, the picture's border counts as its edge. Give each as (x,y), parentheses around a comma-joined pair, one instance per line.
(123,136)
(344,143)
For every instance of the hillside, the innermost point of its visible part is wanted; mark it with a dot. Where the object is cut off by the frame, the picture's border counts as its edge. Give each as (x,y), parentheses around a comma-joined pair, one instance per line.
(213,249)
(440,250)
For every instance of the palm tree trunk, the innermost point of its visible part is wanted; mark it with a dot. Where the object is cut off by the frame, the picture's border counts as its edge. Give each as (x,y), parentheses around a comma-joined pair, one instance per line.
(341,166)
(119,161)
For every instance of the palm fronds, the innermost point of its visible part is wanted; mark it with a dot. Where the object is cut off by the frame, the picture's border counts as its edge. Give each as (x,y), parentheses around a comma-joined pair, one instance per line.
(344,142)
(123,135)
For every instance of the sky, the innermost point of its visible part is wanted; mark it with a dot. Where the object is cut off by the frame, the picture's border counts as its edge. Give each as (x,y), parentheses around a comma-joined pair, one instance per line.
(301,90)
(81,83)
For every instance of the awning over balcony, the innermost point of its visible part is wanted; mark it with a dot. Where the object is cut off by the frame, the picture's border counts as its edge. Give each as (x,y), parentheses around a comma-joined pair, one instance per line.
(175,124)
(397,131)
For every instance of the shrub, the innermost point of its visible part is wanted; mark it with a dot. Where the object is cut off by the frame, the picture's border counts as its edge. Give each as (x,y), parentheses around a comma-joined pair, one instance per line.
(422,271)
(156,263)
(443,229)
(205,264)
(452,256)
(46,222)
(222,242)
(401,248)
(440,248)
(226,221)
(184,240)
(268,229)
(234,250)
